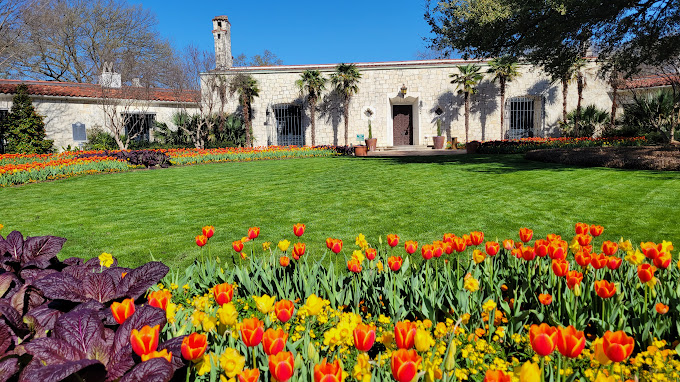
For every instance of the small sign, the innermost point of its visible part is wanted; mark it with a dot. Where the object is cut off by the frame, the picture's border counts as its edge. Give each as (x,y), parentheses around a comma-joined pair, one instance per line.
(360,137)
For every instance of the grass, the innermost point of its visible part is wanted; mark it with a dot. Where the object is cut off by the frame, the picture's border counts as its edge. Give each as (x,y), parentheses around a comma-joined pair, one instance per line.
(159,212)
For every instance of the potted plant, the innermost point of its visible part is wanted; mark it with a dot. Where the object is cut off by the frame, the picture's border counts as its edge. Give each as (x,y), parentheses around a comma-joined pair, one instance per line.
(370,142)
(439,140)
(360,150)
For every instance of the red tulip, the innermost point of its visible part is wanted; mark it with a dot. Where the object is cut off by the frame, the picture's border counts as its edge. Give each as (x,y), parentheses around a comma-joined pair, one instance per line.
(663,260)
(208,231)
(284,310)
(274,341)
(553,237)
(328,372)
(392,240)
(582,228)
(364,337)
(165,354)
(543,338)
(541,247)
(570,342)
(609,248)
(650,250)
(237,245)
(604,288)
(617,346)
(223,293)
(411,246)
(574,278)
(354,266)
(249,375)
(583,258)
(144,341)
(329,242)
(508,244)
(560,267)
(596,230)
(336,246)
(252,331)
(194,346)
(427,251)
(253,232)
(545,299)
(123,310)
(459,244)
(160,299)
(557,249)
(201,240)
(599,261)
(281,366)
(476,237)
(299,229)
(492,248)
(661,308)
(448,237)
(496,376)
(646,272)
(405,364)
(371,253)
(584,239)
(528,253)
(405,334)
(448,248)
(394,262)
(284,261)
(438,248)
(614,263)
(299,250)
(525,234)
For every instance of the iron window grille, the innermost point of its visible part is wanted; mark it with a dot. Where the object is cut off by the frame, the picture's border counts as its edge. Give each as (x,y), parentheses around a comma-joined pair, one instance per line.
(4,114)
(521,112)
(289,129)
(139,124)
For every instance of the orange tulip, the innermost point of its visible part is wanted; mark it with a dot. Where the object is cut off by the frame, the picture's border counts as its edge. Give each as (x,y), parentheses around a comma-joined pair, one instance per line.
(448,248)
(144,341)
(646,272)
(208,231)
(328,372)
(392,240)
(354,266)
(405,364)
(583,258)
(249,375)
(570,342)
(492,248)
(661,308)
(650,250)
(274,341)
(123,310)
(448,237)
(427,251)
(541,247)
(299,250)
(284,310)
(336,246)
(405,334)
(560,267)
(364,337)
(411,246)
(281,366)
(604,288)
(253,232)
(609,248)
(237,245)
(574,278)
(165,354)
(468,240)
(252,330)
(476,237)
(525,234)
(617,346)
(284,261)
(194,346)
(545,299)
(582,228)
(663,260)
(299,229)
(496,376)
(584,239)
(508,244)
(543,338)
(223,293)
(438,248)
(614,263)
(596,230)
(528,253)
(459,244)
(394,262)
(599,261)
(329,242)
(160,298)
(371,253)
(553,237)
(557,249)
(201,240)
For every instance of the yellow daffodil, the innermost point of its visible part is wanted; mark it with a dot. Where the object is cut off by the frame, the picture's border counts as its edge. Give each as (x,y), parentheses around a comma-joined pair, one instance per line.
(204,366)
(358,256)
(232,362)
(105,260)
(362,369)
(635,258)
(666,246)
(603,378)
(529,372)
(283,245)
(423,340)
(227,314)
(266,245)
(489,305)
(625,245)
(465,318)
(170,312)
(265,304)
(361,241)
(208,323)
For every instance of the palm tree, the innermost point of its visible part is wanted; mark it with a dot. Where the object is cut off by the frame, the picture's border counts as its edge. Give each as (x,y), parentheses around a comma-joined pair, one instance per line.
(466,82)
(246,87)
(578,67)
(346,82)
(505,70)
(312,83)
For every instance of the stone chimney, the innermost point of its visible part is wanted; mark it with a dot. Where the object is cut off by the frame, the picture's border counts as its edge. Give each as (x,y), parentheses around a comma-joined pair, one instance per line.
(222,35)
(109,78)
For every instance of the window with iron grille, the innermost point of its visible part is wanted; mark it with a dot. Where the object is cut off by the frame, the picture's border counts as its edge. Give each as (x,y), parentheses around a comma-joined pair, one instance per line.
(521,118)
(289,129)
(139,124)
(3,118)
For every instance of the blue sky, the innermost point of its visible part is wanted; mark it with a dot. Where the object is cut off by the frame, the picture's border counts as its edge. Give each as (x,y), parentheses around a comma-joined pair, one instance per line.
(303,31)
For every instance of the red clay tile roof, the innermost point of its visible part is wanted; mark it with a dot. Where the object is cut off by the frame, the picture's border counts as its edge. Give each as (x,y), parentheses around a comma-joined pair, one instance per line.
(70,89)
(650,81)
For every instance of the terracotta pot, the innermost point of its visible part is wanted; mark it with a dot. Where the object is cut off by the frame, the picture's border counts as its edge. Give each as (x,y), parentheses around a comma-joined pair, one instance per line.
(472,147)
(371,143)
(360,151)
(439,142)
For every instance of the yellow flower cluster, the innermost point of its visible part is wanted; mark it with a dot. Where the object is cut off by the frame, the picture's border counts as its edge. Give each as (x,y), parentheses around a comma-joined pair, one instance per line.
(361,242)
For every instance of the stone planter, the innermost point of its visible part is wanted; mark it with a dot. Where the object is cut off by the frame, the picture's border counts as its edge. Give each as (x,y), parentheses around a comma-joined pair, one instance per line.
(439,142)
(371,143)
(360,151)
(472,147)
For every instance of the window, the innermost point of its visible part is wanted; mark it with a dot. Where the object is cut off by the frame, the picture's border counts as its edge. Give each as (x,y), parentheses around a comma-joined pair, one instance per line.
(521,119)
(3,117)
(79,133)
(289,125)
(139,125)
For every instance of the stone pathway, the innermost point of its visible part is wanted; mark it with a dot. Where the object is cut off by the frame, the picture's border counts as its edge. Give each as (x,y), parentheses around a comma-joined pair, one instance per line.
(414,152)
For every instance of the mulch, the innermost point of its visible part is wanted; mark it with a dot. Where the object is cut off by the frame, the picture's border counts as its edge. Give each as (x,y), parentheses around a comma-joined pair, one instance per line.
(661,158)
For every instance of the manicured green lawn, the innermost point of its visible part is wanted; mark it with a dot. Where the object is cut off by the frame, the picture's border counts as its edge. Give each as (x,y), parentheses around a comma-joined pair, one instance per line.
(159,212)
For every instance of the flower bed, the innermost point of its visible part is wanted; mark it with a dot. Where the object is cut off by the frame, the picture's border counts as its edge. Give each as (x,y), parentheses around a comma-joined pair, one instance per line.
(460,308)
(238,154)
(527,144)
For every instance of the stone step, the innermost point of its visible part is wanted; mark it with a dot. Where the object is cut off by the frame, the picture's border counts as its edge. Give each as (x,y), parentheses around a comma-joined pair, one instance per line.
(403,148)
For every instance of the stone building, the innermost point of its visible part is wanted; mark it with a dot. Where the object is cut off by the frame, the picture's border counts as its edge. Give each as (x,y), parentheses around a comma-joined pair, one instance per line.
(406,98)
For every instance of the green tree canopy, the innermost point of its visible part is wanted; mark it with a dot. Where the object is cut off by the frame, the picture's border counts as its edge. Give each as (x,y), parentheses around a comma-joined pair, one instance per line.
(24,128)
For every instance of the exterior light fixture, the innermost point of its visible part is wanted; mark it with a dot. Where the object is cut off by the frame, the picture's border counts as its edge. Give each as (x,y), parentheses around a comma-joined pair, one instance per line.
(403,90)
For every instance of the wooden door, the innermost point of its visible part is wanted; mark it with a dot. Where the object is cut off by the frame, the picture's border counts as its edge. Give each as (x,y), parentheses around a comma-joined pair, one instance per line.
(402,125)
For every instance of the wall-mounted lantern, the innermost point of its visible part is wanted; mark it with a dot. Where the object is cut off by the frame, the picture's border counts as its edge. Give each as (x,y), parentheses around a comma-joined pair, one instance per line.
(403,90)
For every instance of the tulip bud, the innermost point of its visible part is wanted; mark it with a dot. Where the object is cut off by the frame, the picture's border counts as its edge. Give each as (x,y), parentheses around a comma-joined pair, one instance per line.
(312,354)
(450,363)
(380,240)
(577,290)
(299,362)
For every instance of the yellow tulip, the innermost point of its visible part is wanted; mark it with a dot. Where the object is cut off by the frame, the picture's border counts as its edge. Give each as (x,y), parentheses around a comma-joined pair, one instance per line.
(314,305)
(450,362)
(358,256)
(228,314)
(530,372)
(478,256)
(423,340)
(598,352)
(232,362)
(170,312)
(105,260)
(283,245)
(265,304)
(603,378)
(208,323)
(471,284)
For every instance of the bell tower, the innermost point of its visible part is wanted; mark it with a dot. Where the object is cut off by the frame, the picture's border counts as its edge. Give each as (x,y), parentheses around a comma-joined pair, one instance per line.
(222,35)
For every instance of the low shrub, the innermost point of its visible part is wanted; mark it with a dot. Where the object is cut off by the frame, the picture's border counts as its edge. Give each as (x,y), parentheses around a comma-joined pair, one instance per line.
(521,146)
